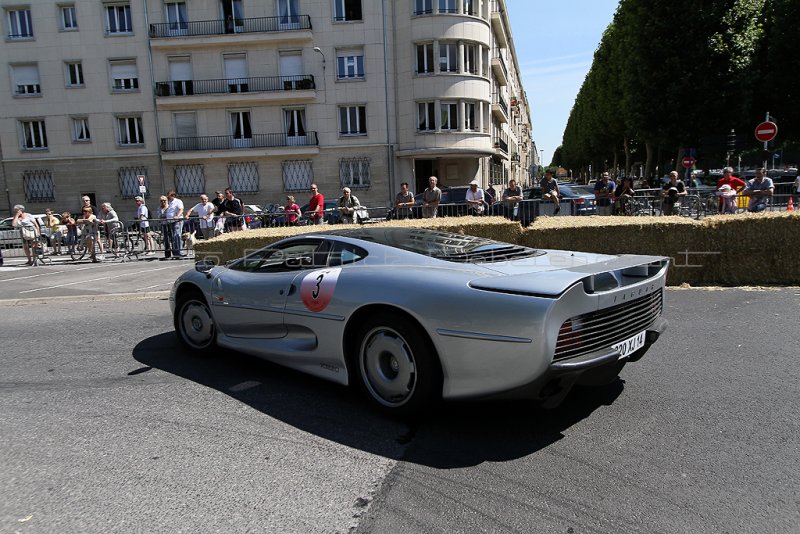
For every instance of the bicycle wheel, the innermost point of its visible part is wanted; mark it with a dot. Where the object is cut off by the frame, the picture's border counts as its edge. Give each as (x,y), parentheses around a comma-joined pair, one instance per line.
(78,250)
(711,205)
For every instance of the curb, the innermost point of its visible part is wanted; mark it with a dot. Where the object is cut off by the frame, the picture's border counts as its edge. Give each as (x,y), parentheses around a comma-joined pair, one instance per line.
(154,295)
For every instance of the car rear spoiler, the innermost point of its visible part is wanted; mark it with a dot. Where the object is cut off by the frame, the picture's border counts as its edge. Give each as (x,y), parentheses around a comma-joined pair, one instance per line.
(596,277)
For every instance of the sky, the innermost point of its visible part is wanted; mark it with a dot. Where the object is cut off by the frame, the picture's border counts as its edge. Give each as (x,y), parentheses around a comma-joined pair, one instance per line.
(555,42)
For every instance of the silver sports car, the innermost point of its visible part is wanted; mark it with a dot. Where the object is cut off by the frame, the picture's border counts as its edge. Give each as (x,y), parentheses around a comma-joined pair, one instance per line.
(414,315)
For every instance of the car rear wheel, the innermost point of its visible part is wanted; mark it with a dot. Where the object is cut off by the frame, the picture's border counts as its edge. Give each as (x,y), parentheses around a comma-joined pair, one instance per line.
(194,324)
(397,365)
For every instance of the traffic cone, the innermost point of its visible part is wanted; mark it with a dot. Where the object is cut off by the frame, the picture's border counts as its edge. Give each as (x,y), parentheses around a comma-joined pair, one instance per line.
(790,205)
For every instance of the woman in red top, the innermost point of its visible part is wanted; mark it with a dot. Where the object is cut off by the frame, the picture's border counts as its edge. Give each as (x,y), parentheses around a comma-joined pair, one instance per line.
(292,211)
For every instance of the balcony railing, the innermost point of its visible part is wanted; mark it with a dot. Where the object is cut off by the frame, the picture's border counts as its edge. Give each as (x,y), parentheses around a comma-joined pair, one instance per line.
(501,143)
(232,142)
(230,26)
(498,99)
(235,85)
(502,62)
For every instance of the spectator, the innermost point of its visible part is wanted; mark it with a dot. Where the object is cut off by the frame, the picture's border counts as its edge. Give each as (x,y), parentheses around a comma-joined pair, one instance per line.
(727,198)
(760,190)
(797,191)
(54,225)
(475,199)
(603,193)
(219,198)
(205,211)
(111,222)
(347,205)
(88,222)
(512,197)
(623,196)
(29,230)
(550,190)
(431,198)
(173,226)
(72,230)
(233,209)
(316,206)
(671,194)
(142,215)
(491,194)
(729,179)
(86,201)
(403,202)
(292,211)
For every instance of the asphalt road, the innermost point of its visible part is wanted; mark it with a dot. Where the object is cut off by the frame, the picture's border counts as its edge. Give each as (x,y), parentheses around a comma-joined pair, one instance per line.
(108,426)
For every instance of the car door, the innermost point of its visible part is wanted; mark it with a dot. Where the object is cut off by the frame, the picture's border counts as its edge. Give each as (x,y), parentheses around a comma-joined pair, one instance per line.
(249,297)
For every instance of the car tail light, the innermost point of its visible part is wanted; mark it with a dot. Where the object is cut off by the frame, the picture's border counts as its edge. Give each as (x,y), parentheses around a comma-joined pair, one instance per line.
(578,201)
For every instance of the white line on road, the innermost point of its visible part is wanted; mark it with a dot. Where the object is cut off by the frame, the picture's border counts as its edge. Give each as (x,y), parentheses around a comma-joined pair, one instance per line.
(96,279)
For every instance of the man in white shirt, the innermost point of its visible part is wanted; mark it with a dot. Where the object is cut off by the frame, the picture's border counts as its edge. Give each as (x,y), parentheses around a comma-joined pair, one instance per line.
(205,211)
(174,216)
(474,197)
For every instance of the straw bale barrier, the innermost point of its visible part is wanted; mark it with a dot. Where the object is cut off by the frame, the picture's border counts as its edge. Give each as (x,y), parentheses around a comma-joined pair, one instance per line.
(744,249)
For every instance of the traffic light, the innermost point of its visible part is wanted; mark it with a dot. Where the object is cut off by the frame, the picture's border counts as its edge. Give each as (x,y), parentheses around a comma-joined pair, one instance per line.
(732,141)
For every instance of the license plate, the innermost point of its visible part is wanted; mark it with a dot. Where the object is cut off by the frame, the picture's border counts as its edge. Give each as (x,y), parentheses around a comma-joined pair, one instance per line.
(630,345)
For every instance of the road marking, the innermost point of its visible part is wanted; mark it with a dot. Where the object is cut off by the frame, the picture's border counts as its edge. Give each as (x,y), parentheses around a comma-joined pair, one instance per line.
(151,287)
(96,279)
(31,276)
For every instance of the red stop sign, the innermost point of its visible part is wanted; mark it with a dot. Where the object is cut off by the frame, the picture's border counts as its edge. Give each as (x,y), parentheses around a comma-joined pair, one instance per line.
(688,161)
(766,131)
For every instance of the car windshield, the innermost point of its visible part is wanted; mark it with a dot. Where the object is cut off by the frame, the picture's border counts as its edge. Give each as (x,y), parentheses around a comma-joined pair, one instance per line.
(442,245)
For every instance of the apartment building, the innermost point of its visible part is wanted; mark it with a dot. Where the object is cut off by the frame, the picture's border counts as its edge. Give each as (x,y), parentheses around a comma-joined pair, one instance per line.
(263,96)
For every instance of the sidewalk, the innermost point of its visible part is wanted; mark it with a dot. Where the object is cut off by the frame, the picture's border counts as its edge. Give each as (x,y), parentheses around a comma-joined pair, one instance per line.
(19,259)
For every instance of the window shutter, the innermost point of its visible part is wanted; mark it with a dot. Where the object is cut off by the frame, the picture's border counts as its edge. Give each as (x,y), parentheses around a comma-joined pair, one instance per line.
(26,75)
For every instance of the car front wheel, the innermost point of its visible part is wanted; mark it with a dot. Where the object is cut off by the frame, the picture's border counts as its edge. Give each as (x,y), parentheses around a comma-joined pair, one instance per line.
(397,365)
(194,324)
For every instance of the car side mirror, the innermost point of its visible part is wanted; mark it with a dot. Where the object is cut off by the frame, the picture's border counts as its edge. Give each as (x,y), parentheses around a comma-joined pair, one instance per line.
(204,266)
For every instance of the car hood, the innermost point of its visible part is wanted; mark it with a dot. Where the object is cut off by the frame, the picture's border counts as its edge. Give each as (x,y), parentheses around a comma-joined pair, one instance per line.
(556,271)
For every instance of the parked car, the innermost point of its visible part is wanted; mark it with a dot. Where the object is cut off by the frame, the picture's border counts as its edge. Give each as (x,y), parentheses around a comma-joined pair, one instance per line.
(492,318)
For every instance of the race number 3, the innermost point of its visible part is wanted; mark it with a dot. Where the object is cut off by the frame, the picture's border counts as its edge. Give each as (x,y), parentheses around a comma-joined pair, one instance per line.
(317,288)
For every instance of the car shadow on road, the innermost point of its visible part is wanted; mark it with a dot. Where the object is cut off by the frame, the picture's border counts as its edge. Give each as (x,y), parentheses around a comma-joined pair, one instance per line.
(454,435)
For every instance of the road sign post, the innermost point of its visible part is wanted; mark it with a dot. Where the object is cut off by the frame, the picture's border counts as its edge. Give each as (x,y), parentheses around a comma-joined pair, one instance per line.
(142,187)
(766,132)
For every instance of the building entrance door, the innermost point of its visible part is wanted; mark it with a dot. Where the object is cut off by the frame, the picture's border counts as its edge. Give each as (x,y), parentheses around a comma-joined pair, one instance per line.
(423,169)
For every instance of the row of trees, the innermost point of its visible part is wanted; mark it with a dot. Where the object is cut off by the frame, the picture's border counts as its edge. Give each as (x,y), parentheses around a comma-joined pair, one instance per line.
(672,75)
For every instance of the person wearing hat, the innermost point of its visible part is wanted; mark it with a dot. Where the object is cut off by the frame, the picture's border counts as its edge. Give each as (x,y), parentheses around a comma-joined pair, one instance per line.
(142,215)
(347,205)
(475,199)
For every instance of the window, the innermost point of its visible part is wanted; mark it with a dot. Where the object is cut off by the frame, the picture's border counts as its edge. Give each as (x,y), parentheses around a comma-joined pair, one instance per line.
(26,80)
(241,132)
(425,58)
(469,7)
(471,52)
(235,67)
(34,135)
(426,116)
(353,120)
(344,10)
(243,177)
(297,175)
(180,74)
(295,120)
(448,57)
(129,182)
(69,20)
(422,7)
(74,71)
(176,17)
(124,76)
(447,6)
(20,25)
(449,116)
(470,116)
(129,131)
(288,14)
(80,130)
(349,64)
(118,19)
(38,185)
(354,172)
(190,180)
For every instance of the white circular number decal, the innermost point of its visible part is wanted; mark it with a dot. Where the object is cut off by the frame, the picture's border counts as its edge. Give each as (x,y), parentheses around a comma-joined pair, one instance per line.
(316,289)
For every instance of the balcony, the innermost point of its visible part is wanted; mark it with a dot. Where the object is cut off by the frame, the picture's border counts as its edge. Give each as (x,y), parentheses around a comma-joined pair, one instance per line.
(499,108)
(499,24)
(501,147)
(235,91)
(172,34)
(231,142)
(499,69)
